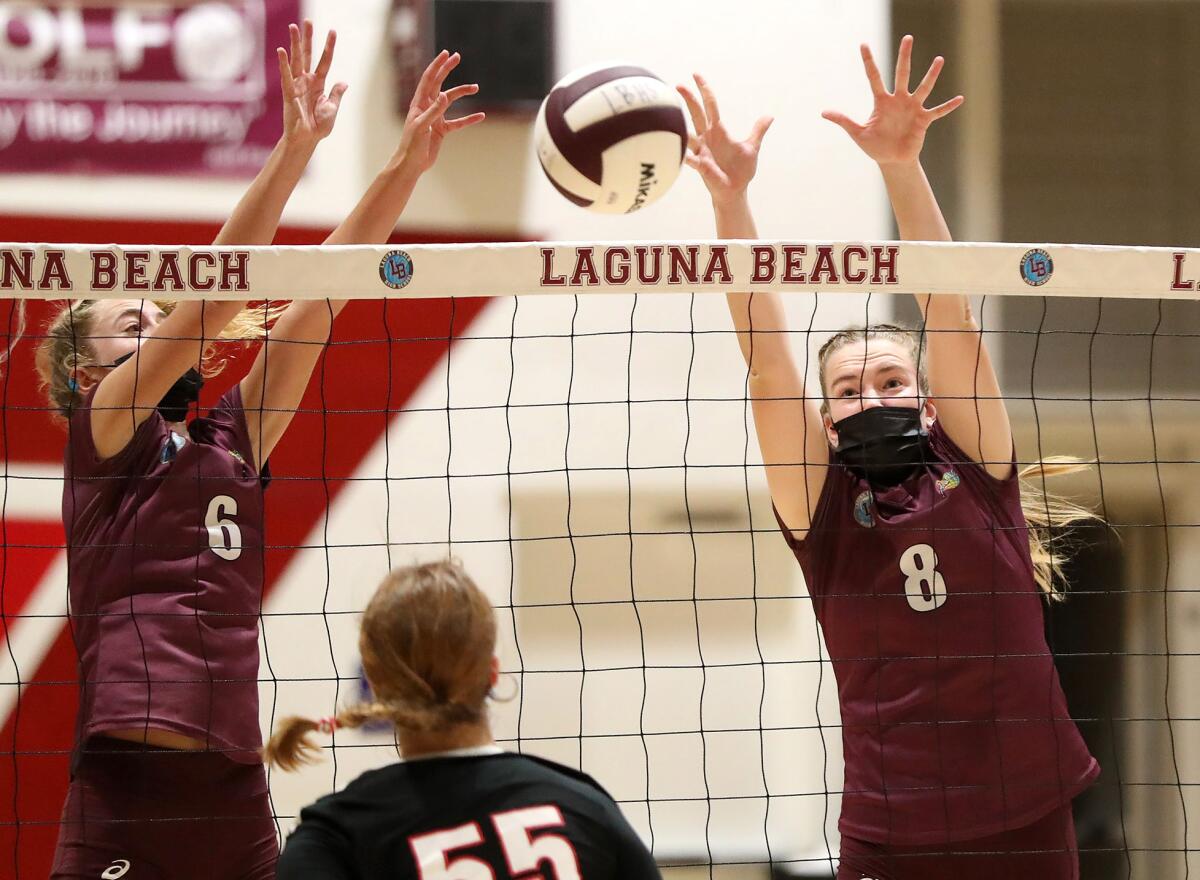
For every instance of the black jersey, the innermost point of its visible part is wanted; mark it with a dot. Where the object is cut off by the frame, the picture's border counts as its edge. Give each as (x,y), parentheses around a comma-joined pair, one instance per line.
(467,816)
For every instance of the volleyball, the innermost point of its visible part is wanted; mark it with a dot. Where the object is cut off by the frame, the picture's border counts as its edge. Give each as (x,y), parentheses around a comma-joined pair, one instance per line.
(611,139)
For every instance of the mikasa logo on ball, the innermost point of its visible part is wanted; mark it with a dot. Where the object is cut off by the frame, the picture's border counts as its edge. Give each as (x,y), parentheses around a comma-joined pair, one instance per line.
(643,190)
(611,139)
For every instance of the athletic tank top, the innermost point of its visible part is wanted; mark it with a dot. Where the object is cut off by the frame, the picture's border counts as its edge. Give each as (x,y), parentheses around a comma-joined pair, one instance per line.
(954,724)
(165,556)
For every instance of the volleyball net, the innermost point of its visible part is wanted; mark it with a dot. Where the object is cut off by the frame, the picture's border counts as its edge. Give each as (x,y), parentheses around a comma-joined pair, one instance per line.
(572,421)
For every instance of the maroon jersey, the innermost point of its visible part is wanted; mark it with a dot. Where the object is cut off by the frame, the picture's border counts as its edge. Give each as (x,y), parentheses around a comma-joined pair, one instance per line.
(165,575)
(954,725)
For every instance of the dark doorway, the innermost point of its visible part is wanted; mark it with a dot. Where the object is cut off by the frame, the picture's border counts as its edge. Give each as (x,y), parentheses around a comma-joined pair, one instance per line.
(1086,633)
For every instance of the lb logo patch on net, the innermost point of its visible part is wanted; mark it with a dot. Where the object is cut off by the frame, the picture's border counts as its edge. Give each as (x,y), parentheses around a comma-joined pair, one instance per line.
(396,269)
(1037,267)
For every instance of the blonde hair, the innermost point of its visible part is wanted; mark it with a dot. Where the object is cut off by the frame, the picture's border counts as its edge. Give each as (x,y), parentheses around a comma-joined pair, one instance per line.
(1049,516)
(913,342)
(64,347)
(427,640)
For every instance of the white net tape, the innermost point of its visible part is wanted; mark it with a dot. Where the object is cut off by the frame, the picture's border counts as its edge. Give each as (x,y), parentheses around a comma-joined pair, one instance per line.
(518,269)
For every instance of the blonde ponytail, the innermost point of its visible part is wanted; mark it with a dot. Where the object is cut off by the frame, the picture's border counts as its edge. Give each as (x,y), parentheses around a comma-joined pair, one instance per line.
(1050,517)
(427,641)
(290,746)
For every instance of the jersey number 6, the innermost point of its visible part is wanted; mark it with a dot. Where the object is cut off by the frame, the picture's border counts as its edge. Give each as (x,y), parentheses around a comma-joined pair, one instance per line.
(224,536)
(923,583)
(522,851)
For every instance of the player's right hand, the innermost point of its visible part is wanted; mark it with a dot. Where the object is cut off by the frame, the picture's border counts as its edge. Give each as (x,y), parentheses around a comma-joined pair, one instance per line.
(308,113)
(895,132)
(426,125)
(726,166)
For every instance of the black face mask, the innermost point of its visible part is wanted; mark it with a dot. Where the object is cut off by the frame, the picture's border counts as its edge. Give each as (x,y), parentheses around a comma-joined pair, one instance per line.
(884,443)
(179,397)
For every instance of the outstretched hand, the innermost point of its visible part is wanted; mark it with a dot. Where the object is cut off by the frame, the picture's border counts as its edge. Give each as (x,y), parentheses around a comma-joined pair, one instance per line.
(308,113)
(726,166)
(895,132)
(426,125)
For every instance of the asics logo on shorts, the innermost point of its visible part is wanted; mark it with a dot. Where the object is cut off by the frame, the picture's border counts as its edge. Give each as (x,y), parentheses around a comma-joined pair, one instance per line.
(119,868)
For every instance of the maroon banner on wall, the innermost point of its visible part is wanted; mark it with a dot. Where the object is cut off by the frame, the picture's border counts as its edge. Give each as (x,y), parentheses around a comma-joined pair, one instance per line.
(171,87)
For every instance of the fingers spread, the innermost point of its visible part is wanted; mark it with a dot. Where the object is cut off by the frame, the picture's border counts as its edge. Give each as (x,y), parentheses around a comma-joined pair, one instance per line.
(760,130)
(424,91)
(294,54)
(925,89)
(285,73)
(710,100)
(693,144)
(335,94)
(464,121)
(873,76)
(947,108)
(904,66)
(457,92)
(326,57)
(444,71)
(306,46)
(699,123)
(847,124)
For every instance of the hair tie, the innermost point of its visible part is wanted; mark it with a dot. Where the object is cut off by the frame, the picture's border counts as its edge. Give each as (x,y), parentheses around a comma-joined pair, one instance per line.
(72,384)
(328,725)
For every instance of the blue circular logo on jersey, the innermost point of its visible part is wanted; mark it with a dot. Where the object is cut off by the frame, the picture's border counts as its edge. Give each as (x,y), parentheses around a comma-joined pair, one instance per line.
(1036,267)
(396,269)
(862,511)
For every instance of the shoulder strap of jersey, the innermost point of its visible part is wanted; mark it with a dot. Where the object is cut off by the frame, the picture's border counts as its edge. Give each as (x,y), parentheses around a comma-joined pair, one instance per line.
(578,775)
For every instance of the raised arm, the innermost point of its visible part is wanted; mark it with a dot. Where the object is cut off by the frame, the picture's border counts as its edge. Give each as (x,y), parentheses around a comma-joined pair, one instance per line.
(961,377)
(308,117)
(790,434)
(128,394)
(276,382)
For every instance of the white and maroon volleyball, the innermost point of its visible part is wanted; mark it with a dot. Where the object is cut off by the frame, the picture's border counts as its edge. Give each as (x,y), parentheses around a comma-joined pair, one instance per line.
(611,139)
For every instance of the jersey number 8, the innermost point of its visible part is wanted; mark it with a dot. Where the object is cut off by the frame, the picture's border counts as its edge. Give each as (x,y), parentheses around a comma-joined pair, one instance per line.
(924,586)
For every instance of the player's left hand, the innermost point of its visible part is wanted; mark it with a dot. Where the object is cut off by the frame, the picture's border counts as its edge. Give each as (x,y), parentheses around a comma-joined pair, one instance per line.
(725,165)
(895,132)
(308,113)
(426,125)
